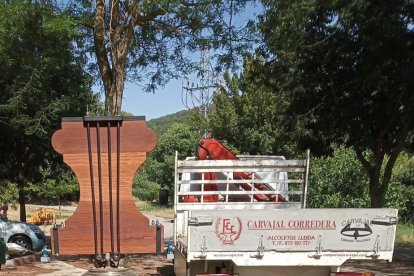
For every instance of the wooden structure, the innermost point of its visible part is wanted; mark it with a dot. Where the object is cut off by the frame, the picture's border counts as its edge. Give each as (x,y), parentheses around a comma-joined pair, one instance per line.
(108,157)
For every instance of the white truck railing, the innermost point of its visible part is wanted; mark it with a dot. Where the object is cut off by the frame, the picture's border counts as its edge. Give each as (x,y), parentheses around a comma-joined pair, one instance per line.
(283,182)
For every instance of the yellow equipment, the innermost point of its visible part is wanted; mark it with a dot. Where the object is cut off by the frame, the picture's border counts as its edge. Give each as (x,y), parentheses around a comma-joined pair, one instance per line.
(43,216)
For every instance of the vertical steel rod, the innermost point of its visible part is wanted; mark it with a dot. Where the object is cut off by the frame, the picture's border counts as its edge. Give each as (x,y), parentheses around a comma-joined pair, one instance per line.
(118,172)
(98,144)
(111,223)
(88,133)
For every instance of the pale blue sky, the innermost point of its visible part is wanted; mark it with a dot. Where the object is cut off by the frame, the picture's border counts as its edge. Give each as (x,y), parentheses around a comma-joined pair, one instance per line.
(166,100)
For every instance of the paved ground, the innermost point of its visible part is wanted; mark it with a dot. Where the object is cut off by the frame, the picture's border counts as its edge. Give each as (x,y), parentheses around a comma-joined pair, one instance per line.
(149,265)
(142,265)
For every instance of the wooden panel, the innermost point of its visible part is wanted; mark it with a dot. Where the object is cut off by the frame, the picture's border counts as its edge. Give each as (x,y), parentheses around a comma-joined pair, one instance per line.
(136,233)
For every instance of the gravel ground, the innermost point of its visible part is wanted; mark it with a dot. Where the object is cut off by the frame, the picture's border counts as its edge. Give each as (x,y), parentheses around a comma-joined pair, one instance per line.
(149,265)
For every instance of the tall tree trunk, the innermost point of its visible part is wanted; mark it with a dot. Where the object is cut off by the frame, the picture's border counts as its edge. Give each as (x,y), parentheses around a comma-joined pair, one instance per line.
(113,99)
(22,196)
(376,194)
(112,43)
(379,170)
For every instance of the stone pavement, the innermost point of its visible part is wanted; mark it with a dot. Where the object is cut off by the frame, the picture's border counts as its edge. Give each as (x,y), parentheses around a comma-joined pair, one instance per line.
(61,269)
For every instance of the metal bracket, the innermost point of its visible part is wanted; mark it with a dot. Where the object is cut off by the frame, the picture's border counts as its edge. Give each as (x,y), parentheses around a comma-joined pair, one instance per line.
(203,254)
(385,220)
(158,237)
(114,259)
(318,253)
(200,220)
(377,248)
(100,261)
(260,249)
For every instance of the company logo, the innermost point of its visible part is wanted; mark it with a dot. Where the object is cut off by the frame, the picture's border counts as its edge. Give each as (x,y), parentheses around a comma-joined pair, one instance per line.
(228,230)
(356,230)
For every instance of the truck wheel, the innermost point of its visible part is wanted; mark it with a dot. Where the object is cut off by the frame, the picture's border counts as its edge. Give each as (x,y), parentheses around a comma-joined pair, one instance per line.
(23,241)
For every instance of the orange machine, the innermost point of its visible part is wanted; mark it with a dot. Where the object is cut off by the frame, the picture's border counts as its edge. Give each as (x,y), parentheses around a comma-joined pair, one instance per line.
(212,149)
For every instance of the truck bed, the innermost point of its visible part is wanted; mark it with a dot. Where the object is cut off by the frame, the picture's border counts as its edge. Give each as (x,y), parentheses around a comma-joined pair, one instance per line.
(237,234)
(287,237)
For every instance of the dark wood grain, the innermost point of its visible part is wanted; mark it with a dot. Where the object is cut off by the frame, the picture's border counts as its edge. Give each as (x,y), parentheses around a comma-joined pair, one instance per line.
(137,235)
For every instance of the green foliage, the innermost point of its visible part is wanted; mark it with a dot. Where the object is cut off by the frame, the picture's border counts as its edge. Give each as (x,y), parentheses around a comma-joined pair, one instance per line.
(160,125)
(8,192)
(54,188)
(251,117)
(156,209)
(158,171)
(154,39)
(41,80)
(347,68)
(145,185)
(405,233)
(401,192)
(338,181)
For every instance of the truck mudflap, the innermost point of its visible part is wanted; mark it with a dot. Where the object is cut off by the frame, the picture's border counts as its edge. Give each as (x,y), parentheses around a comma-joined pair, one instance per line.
(313,235)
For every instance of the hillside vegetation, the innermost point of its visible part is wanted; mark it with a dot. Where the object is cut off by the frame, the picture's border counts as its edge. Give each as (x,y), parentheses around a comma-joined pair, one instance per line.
(160,125)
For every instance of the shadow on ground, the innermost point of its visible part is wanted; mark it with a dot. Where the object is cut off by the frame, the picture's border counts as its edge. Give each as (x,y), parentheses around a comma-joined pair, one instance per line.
(402,264)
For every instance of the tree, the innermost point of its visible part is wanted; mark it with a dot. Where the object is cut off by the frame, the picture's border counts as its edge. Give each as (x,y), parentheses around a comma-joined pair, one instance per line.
(8,193)
(251,117)
(338,181)
(57,184)
(348,68)
(41,79)
(159,168)
(150,40)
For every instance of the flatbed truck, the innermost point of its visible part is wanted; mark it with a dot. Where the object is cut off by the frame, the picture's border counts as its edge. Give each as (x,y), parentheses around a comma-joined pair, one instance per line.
(227,230)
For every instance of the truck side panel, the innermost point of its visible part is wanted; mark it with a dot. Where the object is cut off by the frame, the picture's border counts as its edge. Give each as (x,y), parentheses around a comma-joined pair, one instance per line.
(332,230)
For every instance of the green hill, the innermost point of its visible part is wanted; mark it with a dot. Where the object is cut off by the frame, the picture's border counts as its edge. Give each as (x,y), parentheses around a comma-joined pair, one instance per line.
(159,125)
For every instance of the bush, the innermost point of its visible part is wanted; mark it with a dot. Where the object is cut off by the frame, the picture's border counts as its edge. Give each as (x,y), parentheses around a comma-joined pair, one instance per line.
(9,193)
(145,186)
(338,181)
(400,194)
(145,189)
(158,170)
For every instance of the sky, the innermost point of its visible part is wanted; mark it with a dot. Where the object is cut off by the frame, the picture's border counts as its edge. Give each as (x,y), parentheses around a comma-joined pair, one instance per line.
(166,100)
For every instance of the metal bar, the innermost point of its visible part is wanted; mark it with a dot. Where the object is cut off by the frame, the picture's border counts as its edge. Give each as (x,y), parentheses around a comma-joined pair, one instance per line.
(56,240)
(158,238)
(182,169)
(101,118)
(227,186)
(98,145)
(214,164)
(305,182)
(111,222)
(240,181)
(88,133)
(241,192)
(118,168)
(176,200)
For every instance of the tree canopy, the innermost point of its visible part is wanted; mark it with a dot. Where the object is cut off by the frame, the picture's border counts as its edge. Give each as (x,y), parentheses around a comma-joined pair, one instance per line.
(347,67)
(149,42)
(41,79)
(250,116)
(158,171)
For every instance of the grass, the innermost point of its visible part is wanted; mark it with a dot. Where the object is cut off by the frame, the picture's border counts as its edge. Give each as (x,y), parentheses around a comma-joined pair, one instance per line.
(156,209)
(405,233)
